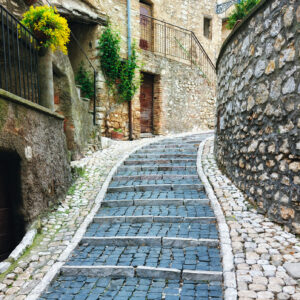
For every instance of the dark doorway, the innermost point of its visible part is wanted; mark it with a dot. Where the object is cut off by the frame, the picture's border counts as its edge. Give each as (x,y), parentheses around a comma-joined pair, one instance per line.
(12,227)
(146,102)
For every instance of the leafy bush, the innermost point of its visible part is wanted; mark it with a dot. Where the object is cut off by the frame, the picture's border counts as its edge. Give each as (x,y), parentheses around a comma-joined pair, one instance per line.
(119,74)
(48,26)
(84,79)
(109,51)
(241,10)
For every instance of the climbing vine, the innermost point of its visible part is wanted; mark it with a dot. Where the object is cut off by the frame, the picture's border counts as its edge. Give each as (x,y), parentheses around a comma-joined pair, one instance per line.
(84,79)
(120,75)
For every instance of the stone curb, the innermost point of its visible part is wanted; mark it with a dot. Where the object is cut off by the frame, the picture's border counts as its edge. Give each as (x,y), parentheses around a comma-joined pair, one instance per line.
(148,241)
(154,202)
(99,271)
(19,250)
(158,219)
(50,275)
(150,272)
(201,275)
(230,290)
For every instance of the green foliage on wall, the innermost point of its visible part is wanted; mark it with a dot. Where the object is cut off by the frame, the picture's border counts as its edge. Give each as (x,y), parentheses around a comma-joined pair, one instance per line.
(84,79)
(241,10)
(120,75)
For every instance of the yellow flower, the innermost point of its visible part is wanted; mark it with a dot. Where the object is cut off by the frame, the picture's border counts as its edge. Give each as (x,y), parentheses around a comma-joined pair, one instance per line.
(47,20)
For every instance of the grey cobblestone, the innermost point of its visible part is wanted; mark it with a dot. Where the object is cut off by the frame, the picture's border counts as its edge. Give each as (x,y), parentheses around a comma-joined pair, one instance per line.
(184,230)
(189,258)
(168,210)
(81,287)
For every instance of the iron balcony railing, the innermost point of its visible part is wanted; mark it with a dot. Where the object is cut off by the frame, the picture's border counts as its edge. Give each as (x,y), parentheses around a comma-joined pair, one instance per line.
(18,58)
(175,42)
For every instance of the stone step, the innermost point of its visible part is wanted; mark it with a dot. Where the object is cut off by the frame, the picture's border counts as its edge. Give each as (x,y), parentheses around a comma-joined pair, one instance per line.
(161,210)
(166,174)
(154,202)
(155,151)
(157,168)
(155,177)
(155,187)
(196,258)
(141,272)
(159,155)
(170,146)
(174,230)
(150,218)
(158,161)
(122,287)
(157,194)
(121,241)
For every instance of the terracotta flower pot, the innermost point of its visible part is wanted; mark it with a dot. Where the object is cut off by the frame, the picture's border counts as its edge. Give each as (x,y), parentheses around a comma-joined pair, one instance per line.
(117,135)
(30,2)
(40,36)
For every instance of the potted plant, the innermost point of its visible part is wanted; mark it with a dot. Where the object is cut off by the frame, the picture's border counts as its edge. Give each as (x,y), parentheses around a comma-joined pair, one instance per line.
(50,29)
(117,134)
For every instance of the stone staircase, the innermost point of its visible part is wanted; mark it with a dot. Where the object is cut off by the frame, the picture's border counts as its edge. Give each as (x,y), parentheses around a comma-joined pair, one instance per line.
(154,237)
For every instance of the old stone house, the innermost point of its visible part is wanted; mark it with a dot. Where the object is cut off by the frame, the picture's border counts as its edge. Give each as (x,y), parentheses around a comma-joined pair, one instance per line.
(36,143)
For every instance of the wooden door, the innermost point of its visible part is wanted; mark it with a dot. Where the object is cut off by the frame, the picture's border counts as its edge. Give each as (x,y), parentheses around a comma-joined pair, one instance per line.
(146,102)
(6,232)
(146,26)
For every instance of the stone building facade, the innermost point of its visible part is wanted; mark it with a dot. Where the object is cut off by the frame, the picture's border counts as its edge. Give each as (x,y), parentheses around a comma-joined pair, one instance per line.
(180,93)
(258,109)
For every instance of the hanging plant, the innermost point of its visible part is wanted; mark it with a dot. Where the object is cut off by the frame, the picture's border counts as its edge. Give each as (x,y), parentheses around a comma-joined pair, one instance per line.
(120,75)
(50,29)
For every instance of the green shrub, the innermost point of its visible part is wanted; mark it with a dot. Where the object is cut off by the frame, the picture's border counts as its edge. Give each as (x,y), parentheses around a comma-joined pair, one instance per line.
(241,10)
(85,80)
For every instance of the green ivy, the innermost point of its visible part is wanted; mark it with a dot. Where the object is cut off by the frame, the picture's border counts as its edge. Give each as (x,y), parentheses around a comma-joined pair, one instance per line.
(241,10)
(119,74)
(84,79)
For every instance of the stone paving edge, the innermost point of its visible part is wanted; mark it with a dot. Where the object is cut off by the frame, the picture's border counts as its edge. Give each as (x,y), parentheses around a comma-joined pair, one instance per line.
(229,278)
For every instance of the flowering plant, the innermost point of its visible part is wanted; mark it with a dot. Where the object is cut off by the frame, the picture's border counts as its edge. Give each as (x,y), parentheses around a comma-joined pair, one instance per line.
(48,26)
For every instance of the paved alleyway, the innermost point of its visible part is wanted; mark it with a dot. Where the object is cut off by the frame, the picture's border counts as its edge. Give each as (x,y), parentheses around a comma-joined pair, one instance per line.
(154,237)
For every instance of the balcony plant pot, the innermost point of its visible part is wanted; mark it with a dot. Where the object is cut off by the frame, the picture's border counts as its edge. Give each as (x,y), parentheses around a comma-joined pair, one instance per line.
(30,2)
(115,135)
(40,36)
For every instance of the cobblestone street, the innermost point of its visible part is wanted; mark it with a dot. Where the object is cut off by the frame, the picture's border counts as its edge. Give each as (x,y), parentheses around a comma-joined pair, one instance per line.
(154,237)
(166,224)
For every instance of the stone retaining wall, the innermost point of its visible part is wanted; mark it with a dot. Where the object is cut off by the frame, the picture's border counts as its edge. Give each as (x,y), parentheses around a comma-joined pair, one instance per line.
(36,136)
(258,109)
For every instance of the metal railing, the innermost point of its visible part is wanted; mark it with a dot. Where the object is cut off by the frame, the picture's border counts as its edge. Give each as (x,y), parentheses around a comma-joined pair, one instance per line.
(18,58)
(175,42)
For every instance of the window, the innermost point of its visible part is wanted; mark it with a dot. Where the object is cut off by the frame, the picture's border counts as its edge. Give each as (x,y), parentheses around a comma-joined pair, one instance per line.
(207,30)
(146,26)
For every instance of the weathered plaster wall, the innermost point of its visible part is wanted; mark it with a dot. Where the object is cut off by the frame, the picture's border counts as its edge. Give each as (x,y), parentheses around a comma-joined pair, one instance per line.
(258,103)
(36,136)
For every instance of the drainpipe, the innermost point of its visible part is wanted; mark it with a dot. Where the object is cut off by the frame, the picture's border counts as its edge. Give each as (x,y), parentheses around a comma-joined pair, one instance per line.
(129,54)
